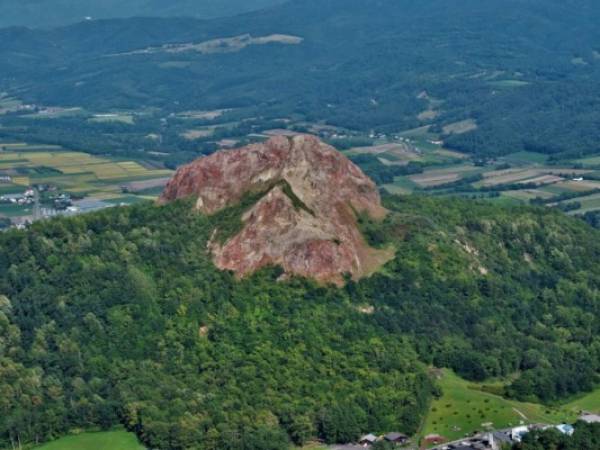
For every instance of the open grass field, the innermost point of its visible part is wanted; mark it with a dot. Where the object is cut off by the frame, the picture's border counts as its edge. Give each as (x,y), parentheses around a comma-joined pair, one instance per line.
(528,194)
(580,186)
(589,403)
(116,117)
(464,126)
(591,161)
(588,203)
(509,176)
(508,83)
(464,408)
(107,440)
(436,177)
(391,152)
(11,210)
(525,158)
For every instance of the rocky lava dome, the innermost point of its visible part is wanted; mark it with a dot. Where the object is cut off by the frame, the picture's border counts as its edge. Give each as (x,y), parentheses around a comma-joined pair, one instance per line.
(306,219)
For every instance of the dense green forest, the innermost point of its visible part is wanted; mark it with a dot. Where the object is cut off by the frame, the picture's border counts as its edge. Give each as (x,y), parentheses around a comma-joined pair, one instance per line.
(586,437)
(121,317)
(524,72)
(47,13)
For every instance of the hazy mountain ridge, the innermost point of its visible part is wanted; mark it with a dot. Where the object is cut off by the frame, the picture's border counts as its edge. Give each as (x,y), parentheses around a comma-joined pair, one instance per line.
(50,13)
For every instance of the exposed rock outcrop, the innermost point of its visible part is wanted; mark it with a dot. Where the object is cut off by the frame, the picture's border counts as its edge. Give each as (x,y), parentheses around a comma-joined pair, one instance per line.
(306,221)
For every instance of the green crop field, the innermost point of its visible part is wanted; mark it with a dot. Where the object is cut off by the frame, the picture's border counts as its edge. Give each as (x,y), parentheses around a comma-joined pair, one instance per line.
(107,440)
(11,210)
(75,172)
(465,408)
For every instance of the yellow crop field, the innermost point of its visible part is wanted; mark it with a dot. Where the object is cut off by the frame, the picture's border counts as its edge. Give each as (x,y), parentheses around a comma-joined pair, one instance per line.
(21,181)
(74,171)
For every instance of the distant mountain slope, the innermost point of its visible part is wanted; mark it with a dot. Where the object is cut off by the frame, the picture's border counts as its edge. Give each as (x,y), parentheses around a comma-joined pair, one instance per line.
(48,13)
(525,72)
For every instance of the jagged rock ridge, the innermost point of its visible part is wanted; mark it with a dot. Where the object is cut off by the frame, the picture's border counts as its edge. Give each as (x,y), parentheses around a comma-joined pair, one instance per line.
(306,221)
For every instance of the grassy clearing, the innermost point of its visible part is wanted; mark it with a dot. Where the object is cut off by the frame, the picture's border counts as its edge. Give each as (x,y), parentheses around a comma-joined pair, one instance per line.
(10,189)
(509,83)
(9,103)
(117,117)
(437,176)
(508,176)
(464,126)
(528,194)
(107,440)
(526,158)
(589,402)
(589,162)
(10,210)
(465,408)
(53,113)
(588,203)
(451,154)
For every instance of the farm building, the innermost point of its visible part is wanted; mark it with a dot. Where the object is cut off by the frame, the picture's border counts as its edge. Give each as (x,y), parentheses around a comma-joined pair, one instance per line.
(590,418)
(368,440)
(566,429)
(396,438)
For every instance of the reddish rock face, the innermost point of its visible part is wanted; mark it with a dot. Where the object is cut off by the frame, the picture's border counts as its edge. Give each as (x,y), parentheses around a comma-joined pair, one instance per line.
(306,222)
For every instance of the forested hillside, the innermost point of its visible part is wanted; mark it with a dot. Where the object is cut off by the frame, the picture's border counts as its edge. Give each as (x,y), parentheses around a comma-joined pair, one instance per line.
(120,316)
(523,75)
(49,13)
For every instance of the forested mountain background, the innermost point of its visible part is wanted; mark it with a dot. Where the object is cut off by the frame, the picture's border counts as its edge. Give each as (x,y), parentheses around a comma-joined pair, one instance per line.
(526,71)
(49,13)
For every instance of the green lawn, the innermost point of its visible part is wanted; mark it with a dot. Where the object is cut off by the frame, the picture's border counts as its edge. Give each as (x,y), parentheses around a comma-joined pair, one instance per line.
(589,403)
(106,440)
(465,408)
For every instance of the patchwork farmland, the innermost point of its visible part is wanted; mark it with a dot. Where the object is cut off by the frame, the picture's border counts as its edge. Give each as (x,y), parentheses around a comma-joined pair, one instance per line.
(517,178)
(77,174)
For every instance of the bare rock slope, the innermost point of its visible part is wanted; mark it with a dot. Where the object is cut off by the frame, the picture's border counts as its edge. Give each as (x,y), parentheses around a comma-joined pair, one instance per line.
(306,221)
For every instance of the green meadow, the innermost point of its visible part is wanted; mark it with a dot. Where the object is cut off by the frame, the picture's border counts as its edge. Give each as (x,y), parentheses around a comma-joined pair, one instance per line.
(105,440)
(465,408)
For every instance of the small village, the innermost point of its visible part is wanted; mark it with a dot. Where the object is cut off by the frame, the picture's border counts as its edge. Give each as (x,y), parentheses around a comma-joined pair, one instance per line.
(44,201)
(488,440)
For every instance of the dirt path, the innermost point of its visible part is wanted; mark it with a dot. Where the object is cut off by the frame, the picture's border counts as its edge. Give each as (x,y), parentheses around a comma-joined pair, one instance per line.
(523,416)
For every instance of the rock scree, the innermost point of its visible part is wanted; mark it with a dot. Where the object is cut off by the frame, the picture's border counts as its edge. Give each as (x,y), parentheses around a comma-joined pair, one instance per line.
(306,221)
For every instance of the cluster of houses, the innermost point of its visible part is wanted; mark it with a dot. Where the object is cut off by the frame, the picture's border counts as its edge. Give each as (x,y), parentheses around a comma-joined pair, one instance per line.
(495,440)
(485,441)
(393,437)
(26,198)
